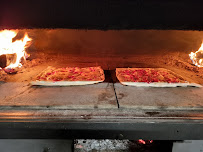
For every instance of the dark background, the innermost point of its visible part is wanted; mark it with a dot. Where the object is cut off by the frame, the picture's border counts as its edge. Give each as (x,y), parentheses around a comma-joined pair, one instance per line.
(102,14)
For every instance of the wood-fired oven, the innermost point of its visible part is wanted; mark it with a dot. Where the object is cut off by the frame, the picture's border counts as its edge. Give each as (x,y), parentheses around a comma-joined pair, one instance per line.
(111,34)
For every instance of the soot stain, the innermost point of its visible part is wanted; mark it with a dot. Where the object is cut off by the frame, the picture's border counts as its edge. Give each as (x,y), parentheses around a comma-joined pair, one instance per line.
(107,97)
(104,97)
(95,106)
(152,113)
(121,95)
(113,102)
(87,117)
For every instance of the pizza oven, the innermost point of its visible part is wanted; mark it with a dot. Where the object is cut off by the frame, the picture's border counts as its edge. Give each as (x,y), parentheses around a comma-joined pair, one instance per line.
(111,34)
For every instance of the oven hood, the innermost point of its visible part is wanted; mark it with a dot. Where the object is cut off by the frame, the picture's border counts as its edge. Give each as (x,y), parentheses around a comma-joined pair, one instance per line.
(102,15)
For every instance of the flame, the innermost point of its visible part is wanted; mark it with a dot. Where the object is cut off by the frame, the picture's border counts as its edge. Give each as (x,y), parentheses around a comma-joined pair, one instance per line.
(197,57)
(7,46)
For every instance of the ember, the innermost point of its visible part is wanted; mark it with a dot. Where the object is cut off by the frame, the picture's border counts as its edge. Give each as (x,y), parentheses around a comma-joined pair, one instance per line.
(145,141)
(141,141)
(10,70)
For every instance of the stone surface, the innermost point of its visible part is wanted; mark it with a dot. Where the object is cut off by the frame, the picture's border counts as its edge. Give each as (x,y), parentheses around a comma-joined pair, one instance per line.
(75,97)
(159,98)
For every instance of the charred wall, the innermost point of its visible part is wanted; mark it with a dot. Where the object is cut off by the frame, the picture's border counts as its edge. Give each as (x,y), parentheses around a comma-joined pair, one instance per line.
(113,42)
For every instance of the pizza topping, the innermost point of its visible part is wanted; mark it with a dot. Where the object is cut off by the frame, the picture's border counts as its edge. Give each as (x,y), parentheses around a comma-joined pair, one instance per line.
(72,74)
(146,75)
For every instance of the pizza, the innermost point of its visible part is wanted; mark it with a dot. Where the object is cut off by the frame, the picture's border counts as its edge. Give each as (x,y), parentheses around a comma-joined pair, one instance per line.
(69,76)
(151,77)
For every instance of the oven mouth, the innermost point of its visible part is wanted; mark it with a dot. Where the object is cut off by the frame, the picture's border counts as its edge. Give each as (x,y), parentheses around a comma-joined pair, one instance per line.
(110,49)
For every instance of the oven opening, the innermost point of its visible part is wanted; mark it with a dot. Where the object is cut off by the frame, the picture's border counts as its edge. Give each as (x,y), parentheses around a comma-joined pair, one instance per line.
(101,69)
(24,53)
(127,69)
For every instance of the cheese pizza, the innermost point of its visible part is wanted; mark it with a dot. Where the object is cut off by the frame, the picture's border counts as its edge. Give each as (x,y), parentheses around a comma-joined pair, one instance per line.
(69,76)
(151,77)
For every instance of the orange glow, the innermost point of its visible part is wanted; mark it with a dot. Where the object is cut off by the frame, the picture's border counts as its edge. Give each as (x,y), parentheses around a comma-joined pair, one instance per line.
(145,141)
(141,141)
(7,46)
(197,57)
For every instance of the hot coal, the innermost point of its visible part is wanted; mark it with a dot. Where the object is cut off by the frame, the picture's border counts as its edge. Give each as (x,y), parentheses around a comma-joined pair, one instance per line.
(10,70)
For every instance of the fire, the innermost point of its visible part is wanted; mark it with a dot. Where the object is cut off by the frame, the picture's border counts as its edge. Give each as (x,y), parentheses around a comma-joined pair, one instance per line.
(197,57)
(7,46)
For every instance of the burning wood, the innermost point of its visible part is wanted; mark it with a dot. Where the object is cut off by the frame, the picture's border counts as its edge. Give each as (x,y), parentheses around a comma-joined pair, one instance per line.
(197,57)
(7,59)
(12,53)
(3,61)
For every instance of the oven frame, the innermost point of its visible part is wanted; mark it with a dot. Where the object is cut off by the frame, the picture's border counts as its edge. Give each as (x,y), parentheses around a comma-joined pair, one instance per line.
(40,124)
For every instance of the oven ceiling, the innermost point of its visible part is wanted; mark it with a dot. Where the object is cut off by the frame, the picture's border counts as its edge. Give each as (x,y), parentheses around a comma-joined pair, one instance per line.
(102,14)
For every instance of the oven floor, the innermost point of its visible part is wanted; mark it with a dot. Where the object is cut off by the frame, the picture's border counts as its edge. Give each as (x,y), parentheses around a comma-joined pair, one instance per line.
(99,96)
(95,96)
(189,98)
(106,100)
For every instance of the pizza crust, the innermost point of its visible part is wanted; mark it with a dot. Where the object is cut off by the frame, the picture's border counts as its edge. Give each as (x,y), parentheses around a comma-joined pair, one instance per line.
(69,76)
(63,83)
(160,84)
(181,83)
